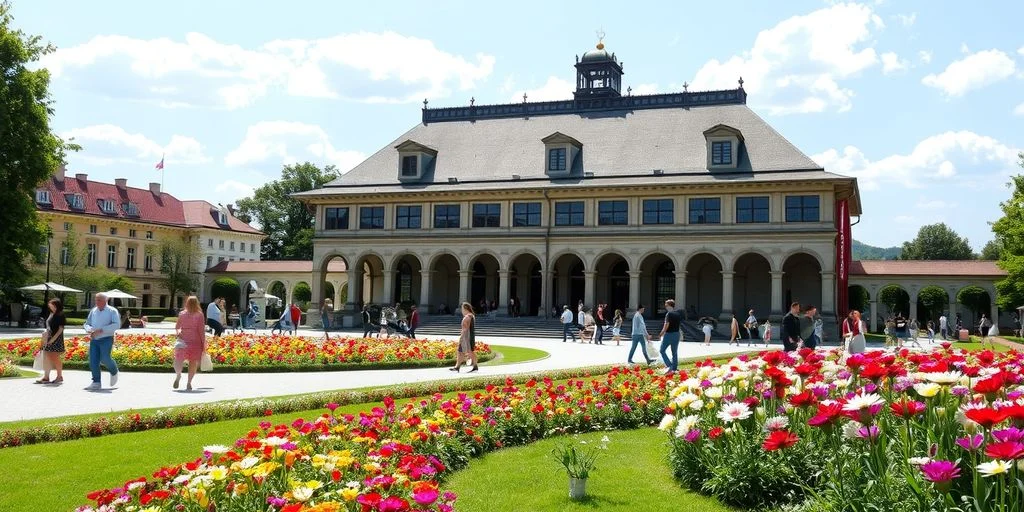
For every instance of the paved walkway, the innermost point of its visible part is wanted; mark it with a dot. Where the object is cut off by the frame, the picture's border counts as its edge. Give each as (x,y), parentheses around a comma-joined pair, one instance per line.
(145,390)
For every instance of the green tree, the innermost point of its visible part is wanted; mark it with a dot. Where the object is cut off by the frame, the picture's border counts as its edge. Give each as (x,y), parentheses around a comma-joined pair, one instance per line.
(975,298)
(287,222)
(895,298)
(177,261)
(29,150)
(992,250)
(227,288)
(857,297)
(302,294)
(937,242)
(932,301)
(70,261)
(1009,229)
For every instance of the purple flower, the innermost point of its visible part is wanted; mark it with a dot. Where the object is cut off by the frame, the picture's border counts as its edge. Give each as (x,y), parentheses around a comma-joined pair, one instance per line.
(971,443)
(1014,395)
(870,387)
(693,435)
(941,473)
(276,502)
(1008,434)
(626,408)
(845,374)
(706,383)
(868,432)
(961,391)
(448,497)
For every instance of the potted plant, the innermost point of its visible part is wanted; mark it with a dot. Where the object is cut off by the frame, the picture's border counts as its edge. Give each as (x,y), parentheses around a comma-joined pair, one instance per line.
(578,459)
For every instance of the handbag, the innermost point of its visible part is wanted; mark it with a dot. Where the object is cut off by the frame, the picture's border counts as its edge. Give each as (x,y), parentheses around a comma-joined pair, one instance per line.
(179,343)
(206,363)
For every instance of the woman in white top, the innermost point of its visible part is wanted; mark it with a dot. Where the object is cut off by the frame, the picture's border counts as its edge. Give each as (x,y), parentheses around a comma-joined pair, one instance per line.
(617,327)
(751,326)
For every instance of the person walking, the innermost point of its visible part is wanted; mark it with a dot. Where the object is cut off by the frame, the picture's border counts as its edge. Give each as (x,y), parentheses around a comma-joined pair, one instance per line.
(853,333)
(325,316)
(707,324)
(296,314)
(191,343)
(213,318)
(617,328)
(791,328)
(283,323)
(670,336)
(252,313)
(52,343)
(467,339)
(599,325)
(931,331)
(943,326)
(751,326)
(101,324)
(984,326)
(567,324)
(734,331)
(414,320)
(959,325)
(587,334)
(813,337)
(639,335)
(581,318)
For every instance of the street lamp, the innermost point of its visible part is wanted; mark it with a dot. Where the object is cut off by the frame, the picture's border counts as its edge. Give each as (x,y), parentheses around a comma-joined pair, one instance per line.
(49,238)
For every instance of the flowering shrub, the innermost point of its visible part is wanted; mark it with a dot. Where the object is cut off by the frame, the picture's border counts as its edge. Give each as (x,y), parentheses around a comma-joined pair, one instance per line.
(389,459)
(894,431)
(8,369)
(250,352)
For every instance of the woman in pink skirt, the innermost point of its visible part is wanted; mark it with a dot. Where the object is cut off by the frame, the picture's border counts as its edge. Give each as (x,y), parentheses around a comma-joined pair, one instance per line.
(191,330)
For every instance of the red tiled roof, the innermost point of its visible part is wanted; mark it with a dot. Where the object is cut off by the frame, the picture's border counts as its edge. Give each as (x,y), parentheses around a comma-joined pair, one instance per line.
(336,265)
(160,208)
(925,268)
(201,213)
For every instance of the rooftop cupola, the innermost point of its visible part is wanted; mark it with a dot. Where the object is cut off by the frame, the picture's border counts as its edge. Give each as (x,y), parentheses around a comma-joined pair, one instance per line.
(598,73)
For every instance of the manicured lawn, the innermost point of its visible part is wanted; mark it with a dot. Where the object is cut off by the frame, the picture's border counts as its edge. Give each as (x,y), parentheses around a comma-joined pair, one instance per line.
(631,475)
(513,355)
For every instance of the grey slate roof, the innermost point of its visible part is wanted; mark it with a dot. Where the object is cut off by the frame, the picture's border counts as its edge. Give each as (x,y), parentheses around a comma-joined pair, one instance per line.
(618,148)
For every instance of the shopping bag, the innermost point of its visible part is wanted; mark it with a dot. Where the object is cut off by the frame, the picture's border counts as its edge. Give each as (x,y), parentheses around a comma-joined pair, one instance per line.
(206,363)
(651,351)
(40,361)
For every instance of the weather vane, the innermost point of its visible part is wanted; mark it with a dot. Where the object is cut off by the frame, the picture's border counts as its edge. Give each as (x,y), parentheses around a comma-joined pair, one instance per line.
(600,38)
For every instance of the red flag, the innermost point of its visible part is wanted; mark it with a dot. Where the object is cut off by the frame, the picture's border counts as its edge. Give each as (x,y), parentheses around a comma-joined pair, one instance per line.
(843,256)
(160,164)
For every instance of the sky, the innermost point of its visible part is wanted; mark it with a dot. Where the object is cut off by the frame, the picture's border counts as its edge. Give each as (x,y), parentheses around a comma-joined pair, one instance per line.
(922,101)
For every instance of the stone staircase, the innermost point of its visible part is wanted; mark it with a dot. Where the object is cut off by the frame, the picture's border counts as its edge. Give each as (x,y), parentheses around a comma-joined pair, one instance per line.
(534,327)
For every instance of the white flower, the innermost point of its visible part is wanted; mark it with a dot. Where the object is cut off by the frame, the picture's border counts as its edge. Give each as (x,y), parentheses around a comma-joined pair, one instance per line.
(274,441)
(713,392)
(776,423)
(850,429)
(734,411)
(216,448)
(919,461)
(994,467)
(136,485)
(943,378)
(696,405)
(927,390)
(863,401)
(685,425)
(302,493)
(685,399)
(667,421)
(248,462)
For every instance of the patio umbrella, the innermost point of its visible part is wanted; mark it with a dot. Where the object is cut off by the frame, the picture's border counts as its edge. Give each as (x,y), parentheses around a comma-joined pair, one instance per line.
(118,294)
(53,287)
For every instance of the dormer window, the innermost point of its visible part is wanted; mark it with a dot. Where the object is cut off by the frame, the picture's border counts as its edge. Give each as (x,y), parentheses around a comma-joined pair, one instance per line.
(107,205)
(75,201)
(222,218)
(562,154)
(723,146)
(414,159)
(43,197)
(130,209)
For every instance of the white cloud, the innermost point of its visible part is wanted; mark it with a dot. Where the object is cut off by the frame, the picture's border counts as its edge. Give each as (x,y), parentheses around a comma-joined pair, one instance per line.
(1021,50)
(938,156)
(925,56)
(646,89)
(290,142)
(796,66)
(1019,110)
(903,219)
(972,72)
(964,49)
(554,89)
(234,188)
(892,63)
(200,71)
(906,19)
(107,144)
(933,204)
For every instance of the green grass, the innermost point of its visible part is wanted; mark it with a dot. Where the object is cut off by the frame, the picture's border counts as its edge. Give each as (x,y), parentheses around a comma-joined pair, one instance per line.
(631,475)
(513,355)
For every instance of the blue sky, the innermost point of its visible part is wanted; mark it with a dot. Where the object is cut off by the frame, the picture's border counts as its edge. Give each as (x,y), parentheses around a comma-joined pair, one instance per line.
(923,101)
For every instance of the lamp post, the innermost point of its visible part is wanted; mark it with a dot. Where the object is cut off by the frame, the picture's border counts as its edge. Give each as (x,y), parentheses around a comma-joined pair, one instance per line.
(49,238)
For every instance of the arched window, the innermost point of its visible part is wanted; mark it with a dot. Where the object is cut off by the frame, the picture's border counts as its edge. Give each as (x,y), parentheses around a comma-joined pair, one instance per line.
(404,282)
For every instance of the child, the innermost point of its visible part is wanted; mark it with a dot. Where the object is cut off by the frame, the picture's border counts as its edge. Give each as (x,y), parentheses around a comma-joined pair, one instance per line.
(767,333)
(617,327)
(931,331)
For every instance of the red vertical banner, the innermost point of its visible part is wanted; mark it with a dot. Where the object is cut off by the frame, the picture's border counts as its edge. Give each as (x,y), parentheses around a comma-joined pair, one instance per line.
(844,247)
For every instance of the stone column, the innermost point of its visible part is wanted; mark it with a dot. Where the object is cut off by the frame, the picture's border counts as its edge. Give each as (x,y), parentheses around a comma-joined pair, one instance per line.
(634,291)
(503,292)
(777,312)
(588,288)
(828,294)
(680,292)
(424,304)
(387,294)
(874,315)
(545,293)
(354,293)
(725,317)
(313,316)
(464,276)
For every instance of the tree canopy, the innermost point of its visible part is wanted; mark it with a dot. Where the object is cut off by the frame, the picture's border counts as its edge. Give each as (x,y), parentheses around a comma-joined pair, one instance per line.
(177,261)
(937,242)
(1009,230)
(896,299)
(974,298)
(992,250)
(29,150)
(287,222)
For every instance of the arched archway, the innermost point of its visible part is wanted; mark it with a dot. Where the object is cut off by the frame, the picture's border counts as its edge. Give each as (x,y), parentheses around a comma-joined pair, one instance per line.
(752,286)
(275,305)
(369,279)
(704,286)
(329,293)
(525,283)
(932,301)
(444,284)
(611,284)
(657,283)
(568,281)
(333,275)
(975,301)
(858,298)
(483,286)
(801,281)
(407,279)
(892,300)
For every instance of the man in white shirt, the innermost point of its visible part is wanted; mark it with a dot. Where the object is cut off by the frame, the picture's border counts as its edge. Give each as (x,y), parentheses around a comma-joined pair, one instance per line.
(101,324)
(567,324)
(213,318)
(943,326)
(750,325)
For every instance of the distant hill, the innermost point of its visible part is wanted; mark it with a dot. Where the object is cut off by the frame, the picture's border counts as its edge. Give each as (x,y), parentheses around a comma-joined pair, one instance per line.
(862,251)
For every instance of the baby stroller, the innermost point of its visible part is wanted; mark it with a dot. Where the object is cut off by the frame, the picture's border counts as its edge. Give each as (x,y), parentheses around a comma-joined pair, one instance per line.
(283,324)
(390,324)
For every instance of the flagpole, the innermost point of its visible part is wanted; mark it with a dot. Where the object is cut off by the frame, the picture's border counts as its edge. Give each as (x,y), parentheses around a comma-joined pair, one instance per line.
(162,172)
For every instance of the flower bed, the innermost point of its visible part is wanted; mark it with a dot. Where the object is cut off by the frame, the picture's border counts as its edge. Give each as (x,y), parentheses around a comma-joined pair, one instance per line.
(250,352)
(8,369)
(878,431)
(390,458)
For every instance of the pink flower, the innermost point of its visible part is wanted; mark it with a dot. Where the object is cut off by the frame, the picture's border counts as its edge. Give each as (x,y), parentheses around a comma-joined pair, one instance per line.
(332,406)
(425,497)
(626,408)
(693,435)
(393,504)
(971,443)
(941,473)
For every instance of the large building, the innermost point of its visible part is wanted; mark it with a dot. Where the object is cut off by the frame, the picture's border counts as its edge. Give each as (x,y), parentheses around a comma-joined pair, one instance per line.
(120,229)
(606,197)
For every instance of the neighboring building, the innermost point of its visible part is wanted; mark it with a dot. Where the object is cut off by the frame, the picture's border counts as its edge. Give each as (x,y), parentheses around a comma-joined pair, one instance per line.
(120,229)
(271,276)
(607,197)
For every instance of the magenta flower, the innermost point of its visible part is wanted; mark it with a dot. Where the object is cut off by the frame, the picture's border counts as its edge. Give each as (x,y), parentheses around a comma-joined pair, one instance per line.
(393,504)
(277,502)
(971,443)
(332,406)
(941,473)
(425,497)
(868,432)
(626,408)
(1011,434)
(693,435)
